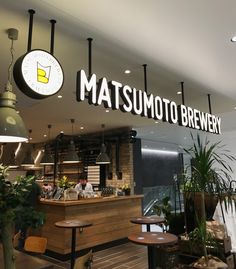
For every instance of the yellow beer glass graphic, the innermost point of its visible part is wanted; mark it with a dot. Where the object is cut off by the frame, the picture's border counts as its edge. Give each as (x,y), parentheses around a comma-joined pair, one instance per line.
(43,73)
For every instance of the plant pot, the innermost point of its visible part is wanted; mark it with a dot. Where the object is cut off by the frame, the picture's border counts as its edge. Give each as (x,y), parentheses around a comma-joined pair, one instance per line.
(192,204)
(127,192)
(213,263)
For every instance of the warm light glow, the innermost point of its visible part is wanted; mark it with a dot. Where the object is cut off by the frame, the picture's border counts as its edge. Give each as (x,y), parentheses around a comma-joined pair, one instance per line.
(127,71)
(12,139)
(156,122)
(107,110)
(59,96)
(82,128)
(44,135)
(38,155)
(18,149)
(159,152)
(179,92)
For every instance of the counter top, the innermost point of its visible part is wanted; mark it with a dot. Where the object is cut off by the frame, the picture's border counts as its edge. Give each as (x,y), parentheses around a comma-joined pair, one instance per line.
(88,200)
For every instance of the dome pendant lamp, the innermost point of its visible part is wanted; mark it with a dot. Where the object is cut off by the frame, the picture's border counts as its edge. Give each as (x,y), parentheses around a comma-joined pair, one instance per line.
(12,127)
(47,157)
(103,158)
(71,156)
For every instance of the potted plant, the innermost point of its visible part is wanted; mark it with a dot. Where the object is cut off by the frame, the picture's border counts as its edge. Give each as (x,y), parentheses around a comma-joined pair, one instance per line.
(13,201)
(126,189)
(174,221)
(210,177)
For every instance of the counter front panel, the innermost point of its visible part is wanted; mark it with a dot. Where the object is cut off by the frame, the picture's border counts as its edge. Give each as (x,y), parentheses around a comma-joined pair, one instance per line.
(110,218)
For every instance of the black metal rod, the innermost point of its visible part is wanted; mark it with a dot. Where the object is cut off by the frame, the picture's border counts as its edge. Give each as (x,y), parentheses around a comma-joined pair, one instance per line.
(31,19)
(182,92)
(209,103)
(53,22)
(90,56)
(73,242)
(145,77)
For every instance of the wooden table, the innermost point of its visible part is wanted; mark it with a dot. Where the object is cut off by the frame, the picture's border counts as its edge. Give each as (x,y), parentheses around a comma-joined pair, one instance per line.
(73,224)
(24,260)
(152,240)
(148,220)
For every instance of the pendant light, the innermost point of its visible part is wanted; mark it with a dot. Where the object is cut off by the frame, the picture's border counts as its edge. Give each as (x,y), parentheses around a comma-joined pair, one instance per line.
(28,160)
(12,128)
(71,155)
(47,157)
(12,163)
(103,158)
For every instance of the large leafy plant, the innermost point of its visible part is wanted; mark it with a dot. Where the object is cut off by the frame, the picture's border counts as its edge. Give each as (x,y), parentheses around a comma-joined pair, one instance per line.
(211,173)
(13,207)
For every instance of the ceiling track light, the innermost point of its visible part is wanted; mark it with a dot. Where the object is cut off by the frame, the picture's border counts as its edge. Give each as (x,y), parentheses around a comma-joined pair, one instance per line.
(12,127)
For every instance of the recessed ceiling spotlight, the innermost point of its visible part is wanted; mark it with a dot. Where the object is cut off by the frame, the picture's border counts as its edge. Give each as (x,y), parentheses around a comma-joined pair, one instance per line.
(127,71)
(233,39)
(107,110)
(59,96)
(82,128)
(44,135)
(30,138)
(156,121)
(17,111)
(179,92)
(62,132)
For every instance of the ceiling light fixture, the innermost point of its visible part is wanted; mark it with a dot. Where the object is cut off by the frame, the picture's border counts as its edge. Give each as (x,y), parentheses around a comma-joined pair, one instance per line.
(233,39)
(59,96)
(127,71)
(71,155)
(12,127)
(179,92)
(107,110)
(103,158)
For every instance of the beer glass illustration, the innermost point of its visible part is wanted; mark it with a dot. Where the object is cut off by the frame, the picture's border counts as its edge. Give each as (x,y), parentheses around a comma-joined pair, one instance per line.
(43,73)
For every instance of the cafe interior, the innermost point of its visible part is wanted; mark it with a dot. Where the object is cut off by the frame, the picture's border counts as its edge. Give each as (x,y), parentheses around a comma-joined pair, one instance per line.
(138,88)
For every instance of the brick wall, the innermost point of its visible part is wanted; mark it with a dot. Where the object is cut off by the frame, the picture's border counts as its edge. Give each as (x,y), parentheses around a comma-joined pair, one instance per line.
(126,166)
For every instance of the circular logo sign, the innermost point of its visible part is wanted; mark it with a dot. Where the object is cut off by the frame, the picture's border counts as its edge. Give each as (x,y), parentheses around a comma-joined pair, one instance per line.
(38,74)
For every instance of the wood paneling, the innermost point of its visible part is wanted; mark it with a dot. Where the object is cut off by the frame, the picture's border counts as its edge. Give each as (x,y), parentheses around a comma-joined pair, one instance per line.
(110,218)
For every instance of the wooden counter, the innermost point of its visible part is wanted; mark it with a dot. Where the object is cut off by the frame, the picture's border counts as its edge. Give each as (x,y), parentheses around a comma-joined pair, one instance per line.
(110,217)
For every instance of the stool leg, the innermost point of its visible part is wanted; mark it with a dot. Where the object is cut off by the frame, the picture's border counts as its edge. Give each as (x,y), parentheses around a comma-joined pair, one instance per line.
(73,241)
(151,257)
(148,228)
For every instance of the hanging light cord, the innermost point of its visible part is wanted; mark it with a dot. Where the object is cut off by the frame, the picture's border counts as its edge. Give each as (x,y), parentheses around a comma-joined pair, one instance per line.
(9,81)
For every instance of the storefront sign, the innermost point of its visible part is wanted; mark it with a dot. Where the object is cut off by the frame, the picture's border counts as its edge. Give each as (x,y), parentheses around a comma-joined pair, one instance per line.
(116,96)
(38,74)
